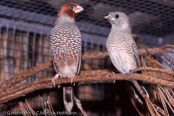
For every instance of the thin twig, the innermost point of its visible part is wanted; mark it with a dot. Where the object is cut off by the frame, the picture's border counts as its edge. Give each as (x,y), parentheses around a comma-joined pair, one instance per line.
(50,105)
(165,99)
(42,102)
(153,70)
(79,105)
(166,55)
(162,98)
(30,108)
(159,110)
(149,104)
(22,108)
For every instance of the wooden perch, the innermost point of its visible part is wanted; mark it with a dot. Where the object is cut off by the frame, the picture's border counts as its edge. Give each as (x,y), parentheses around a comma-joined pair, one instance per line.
(20,77)
(22,90)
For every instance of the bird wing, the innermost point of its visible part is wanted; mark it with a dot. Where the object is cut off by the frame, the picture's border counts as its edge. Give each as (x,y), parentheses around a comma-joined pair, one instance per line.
(79,62)
(135,53)
(132,49)
(53,41)
(79,50)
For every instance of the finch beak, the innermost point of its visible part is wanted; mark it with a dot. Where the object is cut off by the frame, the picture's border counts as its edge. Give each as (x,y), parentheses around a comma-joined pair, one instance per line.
(78,9)
(107,17)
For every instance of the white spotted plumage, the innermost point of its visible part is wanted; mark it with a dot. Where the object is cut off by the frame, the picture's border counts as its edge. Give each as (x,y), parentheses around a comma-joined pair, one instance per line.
(66,48)
(65,41)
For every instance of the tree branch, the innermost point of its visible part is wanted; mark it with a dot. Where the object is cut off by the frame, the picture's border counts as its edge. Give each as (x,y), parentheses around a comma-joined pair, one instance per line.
(22,90)
(22,76)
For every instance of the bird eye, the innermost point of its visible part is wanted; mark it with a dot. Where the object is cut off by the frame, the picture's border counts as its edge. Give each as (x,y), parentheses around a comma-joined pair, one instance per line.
(116,16)
(71,7)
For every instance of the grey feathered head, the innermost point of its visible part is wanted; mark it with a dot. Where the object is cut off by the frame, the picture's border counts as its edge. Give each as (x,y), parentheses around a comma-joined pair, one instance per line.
(118,20)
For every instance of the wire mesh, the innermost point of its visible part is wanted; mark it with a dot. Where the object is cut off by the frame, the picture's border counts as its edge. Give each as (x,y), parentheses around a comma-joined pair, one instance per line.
(154,17)
(24,39)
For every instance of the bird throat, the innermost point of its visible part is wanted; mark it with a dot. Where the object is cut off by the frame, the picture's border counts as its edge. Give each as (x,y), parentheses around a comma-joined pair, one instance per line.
(64,19)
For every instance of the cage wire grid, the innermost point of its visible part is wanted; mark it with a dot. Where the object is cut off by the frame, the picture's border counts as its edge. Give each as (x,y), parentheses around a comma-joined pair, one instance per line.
(24,37)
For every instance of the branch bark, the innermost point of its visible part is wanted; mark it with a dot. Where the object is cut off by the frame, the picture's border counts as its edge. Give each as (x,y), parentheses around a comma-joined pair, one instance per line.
(24,89)
(22,76)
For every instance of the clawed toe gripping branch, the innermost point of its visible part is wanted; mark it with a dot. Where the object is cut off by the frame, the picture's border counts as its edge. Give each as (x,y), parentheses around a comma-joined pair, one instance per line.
(10,89)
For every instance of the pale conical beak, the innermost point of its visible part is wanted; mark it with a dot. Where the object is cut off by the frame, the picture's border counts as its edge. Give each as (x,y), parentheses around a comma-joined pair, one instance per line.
(78,9)
(107,17)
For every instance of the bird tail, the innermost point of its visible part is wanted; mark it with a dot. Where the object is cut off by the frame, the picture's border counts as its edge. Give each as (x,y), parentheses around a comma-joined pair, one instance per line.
(68,98)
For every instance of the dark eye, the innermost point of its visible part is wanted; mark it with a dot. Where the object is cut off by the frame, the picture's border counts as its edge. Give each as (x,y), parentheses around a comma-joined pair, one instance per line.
(71,7)
(116,16)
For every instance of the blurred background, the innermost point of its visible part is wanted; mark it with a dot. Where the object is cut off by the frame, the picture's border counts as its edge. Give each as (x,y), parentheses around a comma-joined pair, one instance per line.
(24,43)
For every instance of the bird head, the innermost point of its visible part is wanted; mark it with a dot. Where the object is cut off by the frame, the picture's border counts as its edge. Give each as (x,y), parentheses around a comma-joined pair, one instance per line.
(118,20)
(71,10)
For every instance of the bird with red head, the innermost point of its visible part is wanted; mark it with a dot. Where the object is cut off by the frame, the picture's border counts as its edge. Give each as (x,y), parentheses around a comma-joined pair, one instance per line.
(65,41)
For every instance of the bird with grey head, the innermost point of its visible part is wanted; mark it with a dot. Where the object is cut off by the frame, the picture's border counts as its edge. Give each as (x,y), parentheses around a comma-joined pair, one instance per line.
(121,46)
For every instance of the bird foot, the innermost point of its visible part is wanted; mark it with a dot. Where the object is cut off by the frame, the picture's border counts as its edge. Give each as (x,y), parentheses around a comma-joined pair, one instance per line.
(72,77)
(54,79)
(129,73)
(110,74)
